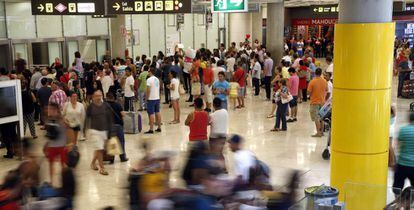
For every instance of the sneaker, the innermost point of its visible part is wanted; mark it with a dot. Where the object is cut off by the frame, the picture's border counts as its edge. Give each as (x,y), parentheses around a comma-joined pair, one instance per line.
(124,159)
(295,119)
(290,120)
(158,130)
(149,132)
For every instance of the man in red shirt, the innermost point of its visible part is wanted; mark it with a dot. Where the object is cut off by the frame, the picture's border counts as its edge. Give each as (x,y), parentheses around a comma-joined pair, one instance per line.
(240,77)
(208,80)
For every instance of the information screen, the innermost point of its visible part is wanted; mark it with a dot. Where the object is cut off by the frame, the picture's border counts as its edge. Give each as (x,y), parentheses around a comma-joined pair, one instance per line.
(8,102)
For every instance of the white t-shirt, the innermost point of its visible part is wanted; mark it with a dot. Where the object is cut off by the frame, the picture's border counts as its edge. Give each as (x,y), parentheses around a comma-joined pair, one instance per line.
(230,64)
(330,69)
(106,84)
(330,88)
(287,58)
(174,93)
(154,84)
(129,92)
(219,123)
(257,68)
(243,161)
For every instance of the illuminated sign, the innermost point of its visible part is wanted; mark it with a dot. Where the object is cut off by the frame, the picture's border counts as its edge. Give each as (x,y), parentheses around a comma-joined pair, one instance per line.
(148,6)
(229,5)
(315,22)
(325,9)
(67,7)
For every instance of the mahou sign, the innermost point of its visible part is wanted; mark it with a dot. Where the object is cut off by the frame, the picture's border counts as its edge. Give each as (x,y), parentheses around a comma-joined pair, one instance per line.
(315,22)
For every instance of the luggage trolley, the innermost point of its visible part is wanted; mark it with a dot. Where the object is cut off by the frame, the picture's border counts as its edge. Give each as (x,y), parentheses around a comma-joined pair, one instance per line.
(325,114)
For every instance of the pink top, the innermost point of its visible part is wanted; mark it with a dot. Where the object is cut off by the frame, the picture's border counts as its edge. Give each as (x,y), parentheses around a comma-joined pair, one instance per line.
(294,85)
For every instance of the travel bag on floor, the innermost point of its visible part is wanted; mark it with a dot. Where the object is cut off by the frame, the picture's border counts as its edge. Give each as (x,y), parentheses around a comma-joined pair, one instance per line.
(132,123)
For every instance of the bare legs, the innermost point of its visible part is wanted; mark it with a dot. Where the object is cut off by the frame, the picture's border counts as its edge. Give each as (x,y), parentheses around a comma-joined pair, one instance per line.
(176,107)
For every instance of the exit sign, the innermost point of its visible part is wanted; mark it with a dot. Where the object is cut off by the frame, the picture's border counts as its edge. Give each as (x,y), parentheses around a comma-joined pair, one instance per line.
(229,5)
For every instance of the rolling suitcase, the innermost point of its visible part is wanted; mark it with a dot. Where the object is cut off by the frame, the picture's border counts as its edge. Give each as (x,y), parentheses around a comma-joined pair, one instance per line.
(132,123)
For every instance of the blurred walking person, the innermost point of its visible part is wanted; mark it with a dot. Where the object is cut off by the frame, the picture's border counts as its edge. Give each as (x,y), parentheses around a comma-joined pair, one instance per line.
(98,123)
(28,101)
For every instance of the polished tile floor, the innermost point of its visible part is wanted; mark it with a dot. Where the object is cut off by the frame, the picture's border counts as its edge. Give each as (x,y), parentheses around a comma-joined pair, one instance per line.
(294,149)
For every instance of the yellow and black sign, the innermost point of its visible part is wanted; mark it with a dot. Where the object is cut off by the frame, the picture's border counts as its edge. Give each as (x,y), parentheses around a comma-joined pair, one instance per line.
(68,7)
(148,6)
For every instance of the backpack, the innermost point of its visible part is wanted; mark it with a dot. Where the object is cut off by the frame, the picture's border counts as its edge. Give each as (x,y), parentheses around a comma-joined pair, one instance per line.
(53,130)
(72,157)
(262,169)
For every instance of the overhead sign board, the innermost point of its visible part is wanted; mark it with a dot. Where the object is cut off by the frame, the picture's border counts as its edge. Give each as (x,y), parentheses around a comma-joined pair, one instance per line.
(325,9)
(148,6)
(67,7)
(229,5)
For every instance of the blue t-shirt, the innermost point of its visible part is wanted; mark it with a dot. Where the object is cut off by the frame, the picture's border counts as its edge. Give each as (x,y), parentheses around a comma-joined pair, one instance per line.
(406,142)
(222,87)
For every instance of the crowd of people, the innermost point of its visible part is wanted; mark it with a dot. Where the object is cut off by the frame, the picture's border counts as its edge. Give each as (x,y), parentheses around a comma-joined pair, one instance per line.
(88,101)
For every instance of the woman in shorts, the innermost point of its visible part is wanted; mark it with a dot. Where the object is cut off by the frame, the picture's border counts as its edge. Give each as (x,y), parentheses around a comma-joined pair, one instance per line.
(74,115)
(175,96)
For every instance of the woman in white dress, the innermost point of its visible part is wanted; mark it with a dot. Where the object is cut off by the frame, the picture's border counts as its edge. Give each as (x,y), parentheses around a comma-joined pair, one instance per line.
(74,115)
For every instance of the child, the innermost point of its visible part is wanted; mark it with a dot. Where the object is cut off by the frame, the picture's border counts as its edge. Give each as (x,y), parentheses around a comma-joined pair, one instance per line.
(234,87)
(175,96)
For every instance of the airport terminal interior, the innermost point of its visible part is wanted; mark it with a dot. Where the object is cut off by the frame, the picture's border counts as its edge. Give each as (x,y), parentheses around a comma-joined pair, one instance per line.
(206,104)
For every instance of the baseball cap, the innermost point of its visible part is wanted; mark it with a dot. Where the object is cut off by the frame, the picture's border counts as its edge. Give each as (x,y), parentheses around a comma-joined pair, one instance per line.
(235,139)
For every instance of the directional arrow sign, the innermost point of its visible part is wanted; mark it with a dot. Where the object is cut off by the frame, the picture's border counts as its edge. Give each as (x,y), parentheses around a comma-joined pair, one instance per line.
(229,5)
(116,6)
(41,7)
(68,7)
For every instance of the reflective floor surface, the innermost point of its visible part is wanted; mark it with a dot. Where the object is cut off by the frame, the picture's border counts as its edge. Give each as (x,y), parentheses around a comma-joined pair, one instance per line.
(294,149)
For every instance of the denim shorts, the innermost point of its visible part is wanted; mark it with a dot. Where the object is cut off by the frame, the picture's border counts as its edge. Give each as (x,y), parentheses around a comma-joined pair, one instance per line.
(293,102)
(153,106)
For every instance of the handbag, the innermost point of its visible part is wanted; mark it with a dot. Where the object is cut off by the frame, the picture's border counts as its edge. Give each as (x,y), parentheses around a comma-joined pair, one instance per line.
(113,147)
(196,89)
(287,100)
(181,90)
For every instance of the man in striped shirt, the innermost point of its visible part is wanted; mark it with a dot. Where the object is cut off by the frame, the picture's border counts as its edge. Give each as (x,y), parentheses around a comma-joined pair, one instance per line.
(58,95)
(405,162)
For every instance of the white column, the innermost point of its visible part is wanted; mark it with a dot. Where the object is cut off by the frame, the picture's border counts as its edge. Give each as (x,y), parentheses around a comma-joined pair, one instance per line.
(240,24)
(275,28)
(118,43)
(257,26)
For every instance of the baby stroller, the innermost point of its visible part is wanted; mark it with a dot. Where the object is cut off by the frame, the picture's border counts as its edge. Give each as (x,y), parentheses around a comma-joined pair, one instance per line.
(325,113)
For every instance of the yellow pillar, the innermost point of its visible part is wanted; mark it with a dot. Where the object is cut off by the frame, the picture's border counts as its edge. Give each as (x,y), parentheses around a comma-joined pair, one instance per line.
(361,111)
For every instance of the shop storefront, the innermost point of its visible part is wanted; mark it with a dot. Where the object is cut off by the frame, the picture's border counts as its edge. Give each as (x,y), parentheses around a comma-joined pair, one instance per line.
(319,27)
(319,21)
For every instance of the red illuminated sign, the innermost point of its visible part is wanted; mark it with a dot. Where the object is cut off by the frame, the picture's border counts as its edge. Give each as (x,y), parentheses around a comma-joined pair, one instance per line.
(315,22)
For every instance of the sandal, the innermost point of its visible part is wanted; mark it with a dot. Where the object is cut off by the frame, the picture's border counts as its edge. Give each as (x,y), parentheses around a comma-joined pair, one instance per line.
(275,130)
(94,167)
(270,116)
(103,172)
